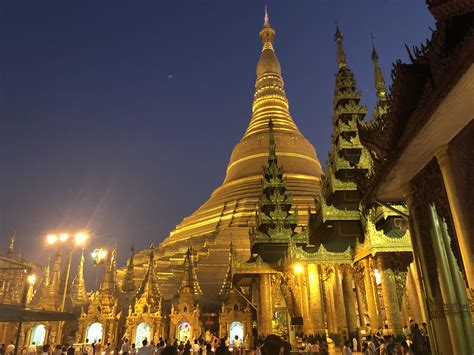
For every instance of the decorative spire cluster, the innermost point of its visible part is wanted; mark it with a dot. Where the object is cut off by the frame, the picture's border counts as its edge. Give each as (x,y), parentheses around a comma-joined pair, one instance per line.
(108,285)
(381,106)
(11,246)
(42,289)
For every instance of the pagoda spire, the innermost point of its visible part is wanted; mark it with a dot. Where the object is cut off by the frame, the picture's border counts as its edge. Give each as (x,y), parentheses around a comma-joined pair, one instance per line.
(275,223)
(379,80)
(270,99)
(43,285)
(110,276)
(78,286)
(128,281)
(149,292)
(11,246)
(190,283)
(341,55)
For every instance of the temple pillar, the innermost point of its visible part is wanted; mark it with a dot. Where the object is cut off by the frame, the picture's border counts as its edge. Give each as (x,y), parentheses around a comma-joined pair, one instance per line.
(389,295)
(440,341)
(361,304)
(464,236)
(414,296)
(265,305)
(459,289)
(308,327)
(349,300)
(329,296)
(339,301)
(371,294)
(315,299)
(447,288)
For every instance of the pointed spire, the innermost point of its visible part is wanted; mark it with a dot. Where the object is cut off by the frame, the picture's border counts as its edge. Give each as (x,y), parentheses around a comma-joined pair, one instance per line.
(190,281)
(341,55)
(43,285)
(78,286)
(379,80)
(149,292)
(11,246)
(266,21)
(110,276)
(128,281)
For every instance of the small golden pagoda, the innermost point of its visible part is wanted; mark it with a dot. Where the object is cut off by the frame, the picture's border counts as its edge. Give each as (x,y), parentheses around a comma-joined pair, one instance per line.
(185,311)
(144,320)
(101,318)
(235,316)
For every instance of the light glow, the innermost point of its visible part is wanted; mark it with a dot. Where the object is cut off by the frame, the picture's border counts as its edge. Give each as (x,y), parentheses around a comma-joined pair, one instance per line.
(63,237)
(31,279)
(298,268)
(51,239)
(378,277)
(81,238)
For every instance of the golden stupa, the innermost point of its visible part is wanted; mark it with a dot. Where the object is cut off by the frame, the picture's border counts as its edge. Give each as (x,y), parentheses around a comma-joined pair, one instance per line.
(230,210)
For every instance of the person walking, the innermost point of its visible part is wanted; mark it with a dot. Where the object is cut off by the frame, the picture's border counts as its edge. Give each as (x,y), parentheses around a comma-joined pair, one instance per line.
(31,350)
(125,347)
(346,350)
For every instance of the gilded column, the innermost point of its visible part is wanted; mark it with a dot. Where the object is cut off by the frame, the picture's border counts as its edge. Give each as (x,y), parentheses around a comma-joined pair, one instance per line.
(329,295)
(361,303)
(416,286)
(339,301)
(459,289)
(349,299)
(371,294)
(389,294)
(437,326)
(265,305)
(308,328)
(464,236)
(451,305)
(315,299)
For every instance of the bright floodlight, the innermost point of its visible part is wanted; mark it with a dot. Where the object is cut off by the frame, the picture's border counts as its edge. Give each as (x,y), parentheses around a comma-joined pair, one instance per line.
(298,268)
(51,239)
(81,238)
(63,237)
(31,279)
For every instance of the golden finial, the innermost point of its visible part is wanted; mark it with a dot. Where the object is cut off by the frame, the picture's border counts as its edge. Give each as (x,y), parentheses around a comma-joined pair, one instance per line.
(341,56)
(378,76)
(266,21)
(11,246)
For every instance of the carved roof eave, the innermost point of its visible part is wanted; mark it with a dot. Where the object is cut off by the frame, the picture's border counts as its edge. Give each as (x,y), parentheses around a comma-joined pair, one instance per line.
(446,72)
(382,212)
(259,266)
(377,242)
(331,213)
(321,256)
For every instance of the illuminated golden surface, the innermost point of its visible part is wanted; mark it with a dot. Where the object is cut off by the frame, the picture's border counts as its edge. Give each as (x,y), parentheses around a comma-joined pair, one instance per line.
(229,211)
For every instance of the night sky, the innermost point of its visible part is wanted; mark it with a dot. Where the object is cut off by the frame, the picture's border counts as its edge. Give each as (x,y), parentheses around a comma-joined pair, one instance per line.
(120,116)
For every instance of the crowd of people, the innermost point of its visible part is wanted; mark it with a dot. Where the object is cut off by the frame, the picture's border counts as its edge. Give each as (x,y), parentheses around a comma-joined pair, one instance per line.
(414,341)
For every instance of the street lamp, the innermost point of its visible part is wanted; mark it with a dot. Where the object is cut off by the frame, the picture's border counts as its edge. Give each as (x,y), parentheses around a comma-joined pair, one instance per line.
(98,255)
(79,240)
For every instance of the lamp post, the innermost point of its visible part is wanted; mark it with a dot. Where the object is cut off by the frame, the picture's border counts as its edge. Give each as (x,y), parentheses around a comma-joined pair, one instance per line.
(79,239)
(98,256)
